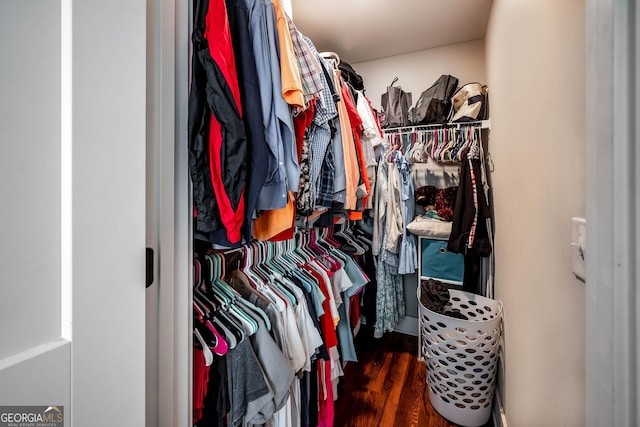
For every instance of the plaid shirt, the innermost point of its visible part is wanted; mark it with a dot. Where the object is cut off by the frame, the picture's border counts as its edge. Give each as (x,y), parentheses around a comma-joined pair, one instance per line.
(310,70)
(320,135)
(325,183)
(326,106)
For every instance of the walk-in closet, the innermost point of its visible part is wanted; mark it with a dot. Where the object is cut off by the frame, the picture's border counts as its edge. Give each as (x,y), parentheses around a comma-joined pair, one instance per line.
(343,200)
(346,213)
(361,233)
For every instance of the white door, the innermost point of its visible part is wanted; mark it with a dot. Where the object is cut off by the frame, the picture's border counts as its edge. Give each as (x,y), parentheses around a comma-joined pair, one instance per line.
(72,215)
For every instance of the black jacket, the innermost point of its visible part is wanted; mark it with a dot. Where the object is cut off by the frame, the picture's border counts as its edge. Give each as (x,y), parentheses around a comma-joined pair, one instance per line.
(211,99)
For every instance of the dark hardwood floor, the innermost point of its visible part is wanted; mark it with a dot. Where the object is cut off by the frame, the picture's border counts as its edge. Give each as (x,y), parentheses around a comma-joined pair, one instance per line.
(387,386)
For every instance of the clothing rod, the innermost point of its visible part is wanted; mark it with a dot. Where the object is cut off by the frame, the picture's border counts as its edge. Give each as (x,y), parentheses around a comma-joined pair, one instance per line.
(484,124)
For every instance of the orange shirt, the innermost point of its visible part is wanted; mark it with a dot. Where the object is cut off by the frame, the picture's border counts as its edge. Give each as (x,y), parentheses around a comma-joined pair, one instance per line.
(352,171)
(271,223)
(292,90)
(356,126)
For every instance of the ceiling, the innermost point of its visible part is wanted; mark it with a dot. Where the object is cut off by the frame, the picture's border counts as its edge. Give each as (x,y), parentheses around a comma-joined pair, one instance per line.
(363,30)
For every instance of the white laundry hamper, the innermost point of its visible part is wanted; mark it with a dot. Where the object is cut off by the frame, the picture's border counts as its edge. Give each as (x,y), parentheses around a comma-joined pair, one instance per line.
(462,356)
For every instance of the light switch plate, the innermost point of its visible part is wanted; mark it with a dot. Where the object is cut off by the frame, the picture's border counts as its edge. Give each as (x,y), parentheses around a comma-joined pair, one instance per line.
(578,246)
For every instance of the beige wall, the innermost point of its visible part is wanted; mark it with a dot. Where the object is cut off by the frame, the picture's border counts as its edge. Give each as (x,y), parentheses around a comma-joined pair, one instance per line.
(533,61)
(419,70)
(536,76)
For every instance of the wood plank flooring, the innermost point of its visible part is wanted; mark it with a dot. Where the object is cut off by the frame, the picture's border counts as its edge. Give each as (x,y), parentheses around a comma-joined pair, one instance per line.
(387,386)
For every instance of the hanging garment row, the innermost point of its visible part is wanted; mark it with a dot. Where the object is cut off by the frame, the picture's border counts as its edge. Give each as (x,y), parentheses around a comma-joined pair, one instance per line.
(432,182)
(276,133)
(394,248)
(444,144)
(272,330)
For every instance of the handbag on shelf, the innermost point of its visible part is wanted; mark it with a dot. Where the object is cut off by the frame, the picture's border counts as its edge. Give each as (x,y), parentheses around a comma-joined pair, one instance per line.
(470,103)
(434,104)
(395,105)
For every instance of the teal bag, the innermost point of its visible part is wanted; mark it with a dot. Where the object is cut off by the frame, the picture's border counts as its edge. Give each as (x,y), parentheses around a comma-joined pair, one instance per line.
(439,263)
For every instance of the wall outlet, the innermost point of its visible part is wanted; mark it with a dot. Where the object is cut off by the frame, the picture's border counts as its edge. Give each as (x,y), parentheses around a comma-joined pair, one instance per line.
(579,246)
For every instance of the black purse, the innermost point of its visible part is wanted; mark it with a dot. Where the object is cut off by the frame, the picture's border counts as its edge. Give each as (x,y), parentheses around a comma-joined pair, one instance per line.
(434,104)
(395,105)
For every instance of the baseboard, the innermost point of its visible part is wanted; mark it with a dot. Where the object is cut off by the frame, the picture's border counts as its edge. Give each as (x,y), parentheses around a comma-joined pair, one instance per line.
(499,416)
(407,325)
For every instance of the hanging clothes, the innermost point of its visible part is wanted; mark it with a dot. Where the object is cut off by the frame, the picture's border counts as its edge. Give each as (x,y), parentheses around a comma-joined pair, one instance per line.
(214,100)
(394,219)
(214,105)
(284,315)
(302,123)
(292,90)
(283,169)
(449,171)
(320,132)
(408,254)
(390,306)
(300,147)
(469,229)
(364,187)
(371,139)
(352,172)
(240,19)
(380,207)
(310,71)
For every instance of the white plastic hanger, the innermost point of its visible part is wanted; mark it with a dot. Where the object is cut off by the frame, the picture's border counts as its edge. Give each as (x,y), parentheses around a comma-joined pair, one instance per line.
(330,55)
(208,355)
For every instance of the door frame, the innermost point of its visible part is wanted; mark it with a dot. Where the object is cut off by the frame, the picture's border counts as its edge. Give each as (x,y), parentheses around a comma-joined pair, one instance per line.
(613,207)
(169,371)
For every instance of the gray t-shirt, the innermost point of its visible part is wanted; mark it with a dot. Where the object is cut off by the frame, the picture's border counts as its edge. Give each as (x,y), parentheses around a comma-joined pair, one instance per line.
(247,386)
(276,369)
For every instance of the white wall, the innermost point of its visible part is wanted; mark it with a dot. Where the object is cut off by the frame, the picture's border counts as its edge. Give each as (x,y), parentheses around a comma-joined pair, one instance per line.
(536,76)
(419,70)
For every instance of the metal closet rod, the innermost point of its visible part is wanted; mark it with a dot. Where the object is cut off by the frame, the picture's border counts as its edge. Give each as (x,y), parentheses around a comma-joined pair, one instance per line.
(483,124)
